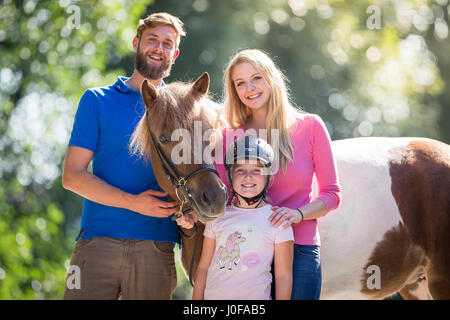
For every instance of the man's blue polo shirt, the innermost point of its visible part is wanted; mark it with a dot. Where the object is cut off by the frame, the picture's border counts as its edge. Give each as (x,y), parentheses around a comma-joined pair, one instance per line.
(104,122)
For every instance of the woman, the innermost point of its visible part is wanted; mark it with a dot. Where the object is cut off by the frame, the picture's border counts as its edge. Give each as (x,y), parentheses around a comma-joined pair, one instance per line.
(256,99)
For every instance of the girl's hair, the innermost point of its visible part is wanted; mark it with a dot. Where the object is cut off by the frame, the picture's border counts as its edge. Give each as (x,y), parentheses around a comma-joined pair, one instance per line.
(282,115)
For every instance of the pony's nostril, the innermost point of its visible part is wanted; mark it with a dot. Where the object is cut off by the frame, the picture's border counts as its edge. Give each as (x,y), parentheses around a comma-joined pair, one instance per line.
(206,198)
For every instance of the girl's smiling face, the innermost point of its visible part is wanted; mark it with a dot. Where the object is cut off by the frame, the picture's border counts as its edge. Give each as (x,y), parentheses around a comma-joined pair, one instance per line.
(250,85)
(249,178)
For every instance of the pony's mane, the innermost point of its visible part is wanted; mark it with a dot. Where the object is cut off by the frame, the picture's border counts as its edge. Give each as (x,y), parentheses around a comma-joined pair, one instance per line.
(176,107)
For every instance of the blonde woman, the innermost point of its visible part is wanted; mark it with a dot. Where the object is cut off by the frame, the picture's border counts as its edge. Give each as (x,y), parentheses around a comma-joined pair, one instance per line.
(257,102)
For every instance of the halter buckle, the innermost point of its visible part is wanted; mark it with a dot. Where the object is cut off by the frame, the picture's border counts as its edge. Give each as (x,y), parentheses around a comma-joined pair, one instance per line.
(177,215)
(181,182)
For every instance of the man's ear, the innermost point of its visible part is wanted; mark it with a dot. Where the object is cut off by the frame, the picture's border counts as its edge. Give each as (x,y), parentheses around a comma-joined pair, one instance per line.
(149,93)
(175,55)
(135,43)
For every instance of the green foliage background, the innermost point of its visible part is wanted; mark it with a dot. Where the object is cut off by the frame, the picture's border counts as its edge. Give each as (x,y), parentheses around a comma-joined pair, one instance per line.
(387,81)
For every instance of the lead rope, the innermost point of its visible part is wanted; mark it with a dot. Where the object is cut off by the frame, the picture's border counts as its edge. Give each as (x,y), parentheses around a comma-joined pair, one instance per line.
(191,265)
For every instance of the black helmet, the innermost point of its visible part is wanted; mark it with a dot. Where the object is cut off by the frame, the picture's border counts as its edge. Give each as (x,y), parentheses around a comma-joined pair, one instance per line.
(249,147)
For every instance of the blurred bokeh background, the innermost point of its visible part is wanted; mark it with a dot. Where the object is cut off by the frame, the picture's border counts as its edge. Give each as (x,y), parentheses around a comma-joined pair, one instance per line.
(368,68)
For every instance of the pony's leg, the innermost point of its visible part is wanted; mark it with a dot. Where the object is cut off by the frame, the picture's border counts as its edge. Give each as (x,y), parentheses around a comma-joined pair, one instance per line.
(237,259)
(438,280)
(399,262)
(438,270)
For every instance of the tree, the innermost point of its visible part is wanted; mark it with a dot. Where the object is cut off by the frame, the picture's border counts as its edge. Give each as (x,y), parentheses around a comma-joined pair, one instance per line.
(50,53)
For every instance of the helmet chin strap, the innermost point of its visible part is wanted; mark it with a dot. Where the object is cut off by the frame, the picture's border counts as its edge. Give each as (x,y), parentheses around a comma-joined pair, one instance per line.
(251,201)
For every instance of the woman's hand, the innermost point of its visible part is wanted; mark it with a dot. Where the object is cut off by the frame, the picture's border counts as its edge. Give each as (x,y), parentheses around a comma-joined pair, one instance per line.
(283,214)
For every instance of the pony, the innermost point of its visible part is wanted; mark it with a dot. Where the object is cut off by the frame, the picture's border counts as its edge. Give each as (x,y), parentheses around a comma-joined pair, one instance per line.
(391,232)
(174,111)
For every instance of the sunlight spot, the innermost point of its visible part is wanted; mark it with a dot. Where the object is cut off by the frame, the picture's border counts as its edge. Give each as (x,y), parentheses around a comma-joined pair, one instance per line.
(317,72)
(441,29)
(20,238)
(298,7)
(365,128)
(200,5)
(261,23)
(297,24)
(325,11)
(351,113)
(373,54)
(357,41)
(374,114)
(279,16)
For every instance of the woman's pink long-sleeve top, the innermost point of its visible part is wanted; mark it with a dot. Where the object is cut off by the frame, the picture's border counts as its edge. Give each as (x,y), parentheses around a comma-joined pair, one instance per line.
(312,156)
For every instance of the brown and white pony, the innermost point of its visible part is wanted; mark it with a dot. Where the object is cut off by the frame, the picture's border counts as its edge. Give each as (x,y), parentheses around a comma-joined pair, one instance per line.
(391,231)
(392,226)
(180,107)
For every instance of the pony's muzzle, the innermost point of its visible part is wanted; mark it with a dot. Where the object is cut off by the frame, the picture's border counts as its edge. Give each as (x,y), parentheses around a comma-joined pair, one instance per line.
(211,202)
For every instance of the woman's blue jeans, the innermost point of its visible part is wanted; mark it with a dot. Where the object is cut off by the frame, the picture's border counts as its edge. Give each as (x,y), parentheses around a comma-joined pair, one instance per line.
(307,273)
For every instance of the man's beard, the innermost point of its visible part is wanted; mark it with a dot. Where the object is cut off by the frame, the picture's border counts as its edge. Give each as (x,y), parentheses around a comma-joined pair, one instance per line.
(150,71)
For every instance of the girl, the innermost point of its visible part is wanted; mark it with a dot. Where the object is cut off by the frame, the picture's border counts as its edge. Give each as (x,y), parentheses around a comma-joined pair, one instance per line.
(256,98)
(239,247)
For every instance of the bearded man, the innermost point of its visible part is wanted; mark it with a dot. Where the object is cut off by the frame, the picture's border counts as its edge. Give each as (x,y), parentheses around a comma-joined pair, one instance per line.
(126,239)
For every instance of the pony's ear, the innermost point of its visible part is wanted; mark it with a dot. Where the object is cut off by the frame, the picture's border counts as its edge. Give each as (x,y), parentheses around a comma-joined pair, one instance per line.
(148,92)
(201,85)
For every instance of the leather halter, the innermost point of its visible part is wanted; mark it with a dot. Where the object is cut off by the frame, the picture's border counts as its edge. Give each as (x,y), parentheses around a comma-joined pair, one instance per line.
(177,180)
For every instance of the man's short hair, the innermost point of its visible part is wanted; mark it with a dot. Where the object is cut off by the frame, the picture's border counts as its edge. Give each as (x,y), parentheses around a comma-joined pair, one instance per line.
(161,18)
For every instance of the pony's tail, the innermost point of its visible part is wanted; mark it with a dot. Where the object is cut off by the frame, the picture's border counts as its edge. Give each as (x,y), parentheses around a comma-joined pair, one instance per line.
(140,141)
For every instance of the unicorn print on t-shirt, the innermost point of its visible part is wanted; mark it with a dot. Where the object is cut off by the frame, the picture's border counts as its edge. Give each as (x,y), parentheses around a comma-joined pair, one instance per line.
(231,251)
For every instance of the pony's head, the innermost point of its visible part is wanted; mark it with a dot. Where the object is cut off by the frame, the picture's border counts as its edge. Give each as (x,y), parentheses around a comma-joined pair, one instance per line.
(181,118)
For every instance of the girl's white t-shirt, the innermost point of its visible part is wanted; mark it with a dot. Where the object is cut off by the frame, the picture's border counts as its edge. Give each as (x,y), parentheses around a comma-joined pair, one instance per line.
(245,243)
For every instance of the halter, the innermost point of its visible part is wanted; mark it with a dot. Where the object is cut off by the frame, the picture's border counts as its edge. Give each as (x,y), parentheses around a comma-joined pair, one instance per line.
(176,179)
(179,181)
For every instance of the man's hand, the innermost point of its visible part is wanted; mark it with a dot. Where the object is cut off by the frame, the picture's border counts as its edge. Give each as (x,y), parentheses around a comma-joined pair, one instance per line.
(77,179)
(148,204)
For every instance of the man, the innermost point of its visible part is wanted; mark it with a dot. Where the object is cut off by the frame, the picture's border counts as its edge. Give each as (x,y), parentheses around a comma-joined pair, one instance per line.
(126,239)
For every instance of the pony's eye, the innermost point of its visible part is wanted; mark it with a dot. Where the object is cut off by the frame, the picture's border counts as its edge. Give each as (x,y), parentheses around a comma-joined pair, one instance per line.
(163,139)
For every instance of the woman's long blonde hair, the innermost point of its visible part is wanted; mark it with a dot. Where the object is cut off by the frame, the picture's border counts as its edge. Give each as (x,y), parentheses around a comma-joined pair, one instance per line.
(281,115)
